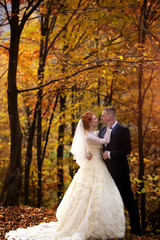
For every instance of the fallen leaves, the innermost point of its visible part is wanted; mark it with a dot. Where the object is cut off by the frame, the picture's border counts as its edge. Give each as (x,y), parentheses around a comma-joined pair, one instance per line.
(12,218)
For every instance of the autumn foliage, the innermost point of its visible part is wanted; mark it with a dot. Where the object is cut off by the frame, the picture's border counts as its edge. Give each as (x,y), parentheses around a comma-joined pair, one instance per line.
(71,57)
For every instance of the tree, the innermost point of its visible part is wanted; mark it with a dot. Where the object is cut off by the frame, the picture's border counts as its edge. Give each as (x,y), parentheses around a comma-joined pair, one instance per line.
(12,185)
(139,62)
(147,17)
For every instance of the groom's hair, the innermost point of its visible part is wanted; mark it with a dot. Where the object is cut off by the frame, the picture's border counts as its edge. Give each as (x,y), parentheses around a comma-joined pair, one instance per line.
(111,111)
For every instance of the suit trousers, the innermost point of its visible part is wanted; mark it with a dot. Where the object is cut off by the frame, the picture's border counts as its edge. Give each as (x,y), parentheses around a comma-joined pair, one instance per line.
(122,180)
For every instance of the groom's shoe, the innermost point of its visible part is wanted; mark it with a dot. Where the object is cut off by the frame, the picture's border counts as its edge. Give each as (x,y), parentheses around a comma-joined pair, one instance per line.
(136,231)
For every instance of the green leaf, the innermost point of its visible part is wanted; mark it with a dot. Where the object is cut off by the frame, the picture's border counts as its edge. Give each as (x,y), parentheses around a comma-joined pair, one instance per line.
(143,190)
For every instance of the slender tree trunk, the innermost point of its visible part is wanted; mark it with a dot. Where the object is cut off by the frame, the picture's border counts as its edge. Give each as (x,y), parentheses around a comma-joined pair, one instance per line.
(141,40)
(73,167)
(140,148)
(60,149)
(42,61)
(28,160)
(73,128)
(39,148)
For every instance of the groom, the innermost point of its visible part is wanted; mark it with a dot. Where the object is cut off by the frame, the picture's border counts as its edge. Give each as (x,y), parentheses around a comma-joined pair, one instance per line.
(115,157)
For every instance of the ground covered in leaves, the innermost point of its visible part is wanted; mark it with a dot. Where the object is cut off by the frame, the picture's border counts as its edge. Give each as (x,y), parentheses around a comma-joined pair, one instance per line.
(12,218)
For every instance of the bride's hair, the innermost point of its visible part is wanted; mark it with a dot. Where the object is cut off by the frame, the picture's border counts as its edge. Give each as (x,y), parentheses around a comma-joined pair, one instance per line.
(86,119)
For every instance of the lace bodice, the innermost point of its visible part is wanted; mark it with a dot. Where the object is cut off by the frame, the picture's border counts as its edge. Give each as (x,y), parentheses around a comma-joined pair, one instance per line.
(94,143)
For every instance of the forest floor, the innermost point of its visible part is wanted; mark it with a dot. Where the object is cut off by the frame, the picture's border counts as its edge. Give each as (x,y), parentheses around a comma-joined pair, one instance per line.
(12,218)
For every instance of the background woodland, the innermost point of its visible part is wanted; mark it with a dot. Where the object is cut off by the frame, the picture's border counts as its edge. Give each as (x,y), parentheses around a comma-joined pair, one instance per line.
(59,59)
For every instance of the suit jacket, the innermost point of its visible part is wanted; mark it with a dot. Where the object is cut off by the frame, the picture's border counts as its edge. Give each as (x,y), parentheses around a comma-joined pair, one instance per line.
(119,147)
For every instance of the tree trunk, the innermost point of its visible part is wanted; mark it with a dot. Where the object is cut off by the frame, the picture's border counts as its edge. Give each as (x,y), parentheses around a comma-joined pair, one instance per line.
(140,148)
(72,166)
(42,62)
(39,148)
(12,185)
(28,160)
(141,41)
(60,149)
(13,181)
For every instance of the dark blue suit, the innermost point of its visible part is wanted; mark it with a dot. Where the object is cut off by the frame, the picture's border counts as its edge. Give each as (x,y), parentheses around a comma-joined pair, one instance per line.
(119,147)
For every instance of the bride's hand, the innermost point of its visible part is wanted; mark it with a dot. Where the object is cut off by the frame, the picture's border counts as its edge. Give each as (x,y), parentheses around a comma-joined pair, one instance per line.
(105,140)
(109,125)
(105,155)
(88,156)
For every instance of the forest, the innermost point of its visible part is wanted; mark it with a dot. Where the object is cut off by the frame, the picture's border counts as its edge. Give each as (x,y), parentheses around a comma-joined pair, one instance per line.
(59,59)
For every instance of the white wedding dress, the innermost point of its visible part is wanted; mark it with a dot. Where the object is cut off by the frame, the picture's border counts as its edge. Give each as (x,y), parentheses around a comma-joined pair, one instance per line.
(91,208)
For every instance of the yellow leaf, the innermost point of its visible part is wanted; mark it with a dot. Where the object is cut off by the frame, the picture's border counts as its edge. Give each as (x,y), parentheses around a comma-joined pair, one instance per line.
(156,178)
(121,57)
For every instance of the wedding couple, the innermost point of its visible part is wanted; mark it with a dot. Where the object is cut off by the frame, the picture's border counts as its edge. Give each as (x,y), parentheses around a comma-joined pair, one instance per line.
(92,207)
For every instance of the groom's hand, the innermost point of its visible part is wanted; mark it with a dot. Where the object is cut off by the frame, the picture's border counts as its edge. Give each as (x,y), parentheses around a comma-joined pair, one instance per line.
(88,156)
(105,155)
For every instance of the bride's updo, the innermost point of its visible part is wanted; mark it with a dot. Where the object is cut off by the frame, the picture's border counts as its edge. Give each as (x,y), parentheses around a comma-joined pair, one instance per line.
(86,119)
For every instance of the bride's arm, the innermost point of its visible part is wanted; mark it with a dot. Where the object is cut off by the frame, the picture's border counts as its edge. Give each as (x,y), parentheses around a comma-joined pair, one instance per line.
(94,139)
(96,132)
(107,135)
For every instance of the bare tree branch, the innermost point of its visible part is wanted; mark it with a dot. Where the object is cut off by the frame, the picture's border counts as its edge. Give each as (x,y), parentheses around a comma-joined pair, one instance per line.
(26,16)
(6,10)
(59,79)
(4,47)
(64,27)
(143,27)
(4,73)
(101,64)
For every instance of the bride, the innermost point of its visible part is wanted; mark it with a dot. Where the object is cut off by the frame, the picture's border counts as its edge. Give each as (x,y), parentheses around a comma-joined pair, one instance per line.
(91,207)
